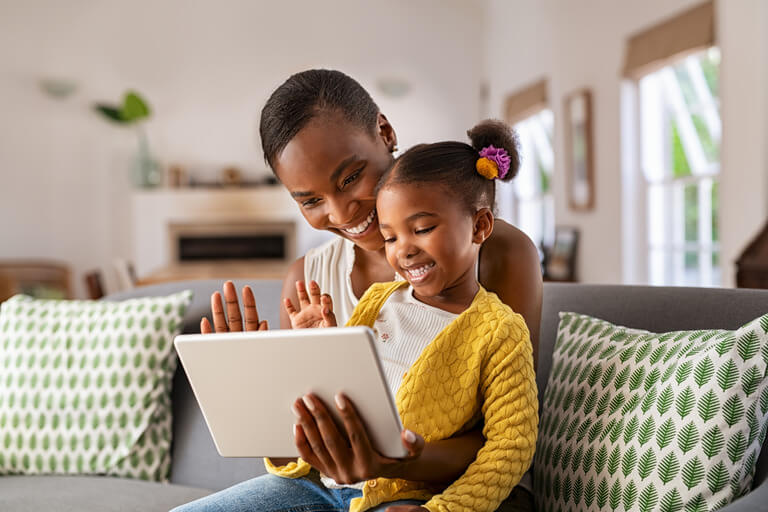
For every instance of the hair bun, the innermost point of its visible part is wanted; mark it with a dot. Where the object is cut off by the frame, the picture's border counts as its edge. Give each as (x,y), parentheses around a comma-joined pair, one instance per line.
(492,132)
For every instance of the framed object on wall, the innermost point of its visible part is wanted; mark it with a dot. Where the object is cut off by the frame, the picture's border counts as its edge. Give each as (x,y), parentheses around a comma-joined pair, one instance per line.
(560,260)
(579,150)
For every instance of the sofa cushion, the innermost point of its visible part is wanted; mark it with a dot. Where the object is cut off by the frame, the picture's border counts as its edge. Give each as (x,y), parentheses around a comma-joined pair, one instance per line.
(85,386)
(90,493)
(636,419)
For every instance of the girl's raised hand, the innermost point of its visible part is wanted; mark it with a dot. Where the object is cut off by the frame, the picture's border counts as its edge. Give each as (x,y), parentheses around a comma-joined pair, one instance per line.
(315,309)
(347,457)
(233,321)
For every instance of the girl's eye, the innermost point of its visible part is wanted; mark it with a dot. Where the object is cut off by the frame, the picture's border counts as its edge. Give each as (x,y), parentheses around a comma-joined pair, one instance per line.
(389,240)
(425,230)
(352,177)
(310,202)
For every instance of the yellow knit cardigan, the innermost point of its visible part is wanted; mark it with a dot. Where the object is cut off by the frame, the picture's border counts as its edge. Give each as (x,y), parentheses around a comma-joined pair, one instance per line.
(480,365)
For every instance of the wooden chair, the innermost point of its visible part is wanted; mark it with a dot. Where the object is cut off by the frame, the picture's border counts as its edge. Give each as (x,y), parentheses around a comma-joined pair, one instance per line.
(43,279)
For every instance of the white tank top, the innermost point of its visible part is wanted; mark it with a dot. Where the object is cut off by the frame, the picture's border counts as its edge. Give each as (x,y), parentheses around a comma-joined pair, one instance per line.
(330,265)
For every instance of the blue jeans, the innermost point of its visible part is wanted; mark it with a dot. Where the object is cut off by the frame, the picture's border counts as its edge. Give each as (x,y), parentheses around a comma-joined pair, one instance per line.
(269,493)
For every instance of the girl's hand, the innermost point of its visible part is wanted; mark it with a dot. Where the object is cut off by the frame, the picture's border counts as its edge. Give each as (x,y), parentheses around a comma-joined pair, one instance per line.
(233,322)
(346,456)
(315,310)
(406,508)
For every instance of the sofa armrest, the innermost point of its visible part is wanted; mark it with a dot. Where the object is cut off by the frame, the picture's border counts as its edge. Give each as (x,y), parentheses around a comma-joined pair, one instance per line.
(755,501)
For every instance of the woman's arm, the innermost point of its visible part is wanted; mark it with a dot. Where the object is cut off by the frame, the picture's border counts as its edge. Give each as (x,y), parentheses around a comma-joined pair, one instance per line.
(510,267)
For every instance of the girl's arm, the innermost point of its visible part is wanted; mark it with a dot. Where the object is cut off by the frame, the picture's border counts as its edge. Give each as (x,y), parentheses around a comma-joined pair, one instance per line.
(510,412)
(510,267)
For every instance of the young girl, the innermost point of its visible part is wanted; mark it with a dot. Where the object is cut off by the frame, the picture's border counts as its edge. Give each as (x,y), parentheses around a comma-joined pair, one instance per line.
(452,352)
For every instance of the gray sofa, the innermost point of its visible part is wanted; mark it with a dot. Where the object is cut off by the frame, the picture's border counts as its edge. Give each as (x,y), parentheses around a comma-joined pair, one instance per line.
(198,469)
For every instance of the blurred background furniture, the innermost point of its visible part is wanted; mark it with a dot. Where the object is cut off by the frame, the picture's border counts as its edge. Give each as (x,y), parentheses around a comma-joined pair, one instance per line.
(752,265)
(38,278)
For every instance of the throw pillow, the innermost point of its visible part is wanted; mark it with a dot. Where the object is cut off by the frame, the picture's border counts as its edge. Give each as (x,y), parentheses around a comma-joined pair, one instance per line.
(85,385)
(633,420)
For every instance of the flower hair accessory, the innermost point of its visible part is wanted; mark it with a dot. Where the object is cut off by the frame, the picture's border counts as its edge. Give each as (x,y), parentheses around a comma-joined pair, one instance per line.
(493,163)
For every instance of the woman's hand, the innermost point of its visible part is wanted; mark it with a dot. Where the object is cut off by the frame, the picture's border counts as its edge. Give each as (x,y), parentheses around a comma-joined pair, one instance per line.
(315,310)
(348,456)
(233,322)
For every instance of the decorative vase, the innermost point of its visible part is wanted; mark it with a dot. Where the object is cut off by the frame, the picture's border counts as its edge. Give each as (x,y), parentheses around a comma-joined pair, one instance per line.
(146,170)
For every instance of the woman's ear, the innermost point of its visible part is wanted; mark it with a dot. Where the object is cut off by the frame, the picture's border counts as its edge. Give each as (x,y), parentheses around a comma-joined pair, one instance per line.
(483,225)
(386,132)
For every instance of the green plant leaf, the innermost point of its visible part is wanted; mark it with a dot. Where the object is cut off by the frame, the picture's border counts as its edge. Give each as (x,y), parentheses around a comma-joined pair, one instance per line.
(630,495)
(712,442)
(615,498)
(736,447)
(717,477)
(748,346)
(646,464)
(608,375)
(628,461)
(614,459)
(576,460)
(693,473)
(727,375)
(683,371)
(668,468)
(589,456)
(725,344)
(601,457)
(697,504)
(664,402)
(578,488)
(567,488)
(602,493)
(704,371)
(134,107)
(631,429)
(110,112)
(643,351)
(590,402)
(733,410)
(589,492)
(688,437)
(750,379)
(685,402)
(651,379)
(646,431)
(648,499)
(671,502)
(637,378)
(708,405)
(622,378)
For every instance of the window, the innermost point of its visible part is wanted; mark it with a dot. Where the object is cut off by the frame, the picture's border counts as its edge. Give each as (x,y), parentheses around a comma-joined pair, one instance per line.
(680,133)
(527,201)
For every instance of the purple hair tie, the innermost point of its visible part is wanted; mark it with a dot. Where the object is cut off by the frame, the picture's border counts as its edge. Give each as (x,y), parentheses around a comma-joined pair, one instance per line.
(499,156)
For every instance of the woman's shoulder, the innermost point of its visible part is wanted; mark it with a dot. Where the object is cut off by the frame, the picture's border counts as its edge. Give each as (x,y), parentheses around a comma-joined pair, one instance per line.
(507,240)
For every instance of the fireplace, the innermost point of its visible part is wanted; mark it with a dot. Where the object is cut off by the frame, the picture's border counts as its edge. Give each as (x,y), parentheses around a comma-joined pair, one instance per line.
(248,243)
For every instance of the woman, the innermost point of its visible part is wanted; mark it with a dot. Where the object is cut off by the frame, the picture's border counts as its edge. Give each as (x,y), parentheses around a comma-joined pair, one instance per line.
(328,143)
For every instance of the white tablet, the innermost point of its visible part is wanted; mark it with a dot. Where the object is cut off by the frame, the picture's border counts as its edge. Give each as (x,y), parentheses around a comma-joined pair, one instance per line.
(245,383)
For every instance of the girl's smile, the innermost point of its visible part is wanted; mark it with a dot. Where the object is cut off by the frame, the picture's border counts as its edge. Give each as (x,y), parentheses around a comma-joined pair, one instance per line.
(432,241)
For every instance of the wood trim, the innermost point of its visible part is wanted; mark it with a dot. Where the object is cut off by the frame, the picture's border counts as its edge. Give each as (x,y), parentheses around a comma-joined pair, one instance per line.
(587,203)
(526,102)
(655,47)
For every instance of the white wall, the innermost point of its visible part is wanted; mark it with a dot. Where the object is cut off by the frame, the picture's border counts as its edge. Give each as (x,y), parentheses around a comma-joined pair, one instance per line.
(581,44)
(206,68)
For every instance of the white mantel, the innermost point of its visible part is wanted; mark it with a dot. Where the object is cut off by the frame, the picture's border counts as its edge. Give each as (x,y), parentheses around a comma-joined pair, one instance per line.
(153,211)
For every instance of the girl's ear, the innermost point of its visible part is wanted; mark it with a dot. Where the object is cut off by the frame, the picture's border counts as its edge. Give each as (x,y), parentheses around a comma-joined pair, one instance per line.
(483,225)
(386,132)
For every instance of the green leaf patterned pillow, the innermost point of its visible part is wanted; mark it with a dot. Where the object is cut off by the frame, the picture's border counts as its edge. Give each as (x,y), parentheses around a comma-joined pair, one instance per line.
(633,420)
(85,385)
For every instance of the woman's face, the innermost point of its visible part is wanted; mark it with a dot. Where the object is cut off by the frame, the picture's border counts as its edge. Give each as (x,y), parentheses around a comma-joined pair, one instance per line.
(331,168)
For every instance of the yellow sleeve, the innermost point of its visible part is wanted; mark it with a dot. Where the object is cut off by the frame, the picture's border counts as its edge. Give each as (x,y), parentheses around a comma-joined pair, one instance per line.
(510,411)
(291,470)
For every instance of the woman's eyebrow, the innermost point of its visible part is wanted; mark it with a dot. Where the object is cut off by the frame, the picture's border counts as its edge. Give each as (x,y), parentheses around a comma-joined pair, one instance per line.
(340,168)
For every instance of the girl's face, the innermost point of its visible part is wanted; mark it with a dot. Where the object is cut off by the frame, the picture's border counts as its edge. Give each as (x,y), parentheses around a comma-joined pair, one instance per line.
(331,168)
(432,241)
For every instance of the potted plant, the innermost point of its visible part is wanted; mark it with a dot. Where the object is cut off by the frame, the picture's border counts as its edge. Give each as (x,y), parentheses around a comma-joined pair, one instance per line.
(133,111)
